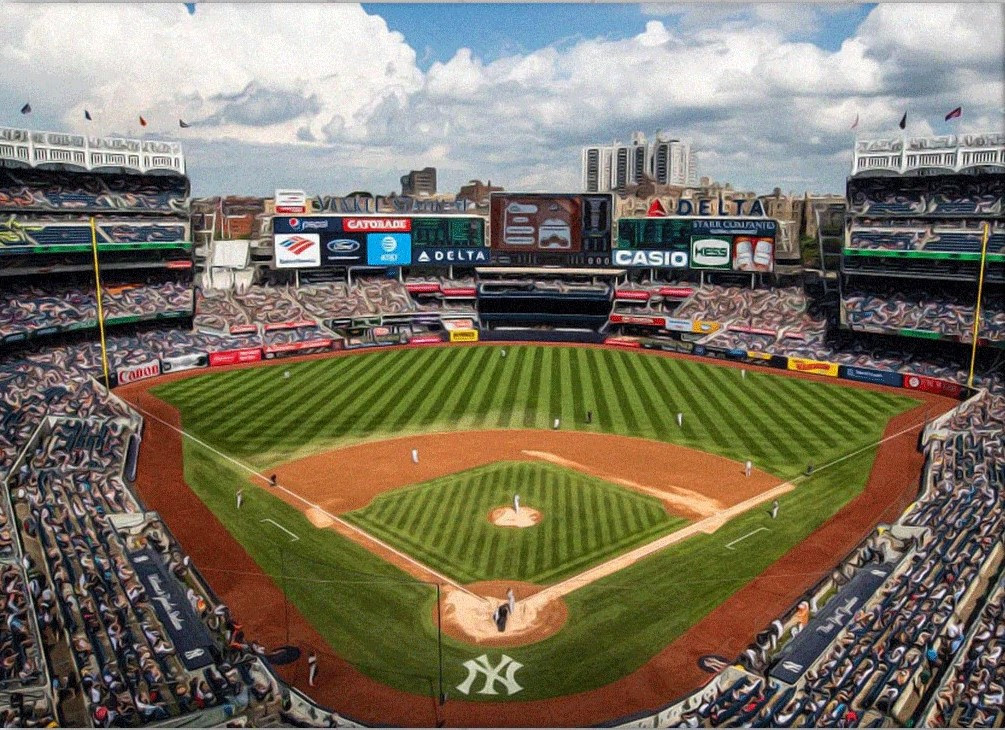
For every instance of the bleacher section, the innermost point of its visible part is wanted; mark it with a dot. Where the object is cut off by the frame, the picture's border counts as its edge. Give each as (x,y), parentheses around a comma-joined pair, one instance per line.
(927,232)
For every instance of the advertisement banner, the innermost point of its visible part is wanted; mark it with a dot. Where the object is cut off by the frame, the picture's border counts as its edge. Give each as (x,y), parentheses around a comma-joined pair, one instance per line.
(932,385)
(465,292)
(870,375)
(632,295)
(307,347)
(458,324)
(233,357)
(243,329)
(676,292)
(290,325)
(638,319)
(184,362)
(463,335)
(422,288)
(622,342)
(388,249)
(425,340)
(289,202)
(751,253)
(676,324)
(650,259)
(711,252)
(763,358)
(297,250)
(818,367)
(138,372)
(439,255)
(705,326)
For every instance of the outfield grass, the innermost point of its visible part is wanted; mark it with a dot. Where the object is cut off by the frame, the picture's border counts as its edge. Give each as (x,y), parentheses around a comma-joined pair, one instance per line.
(444,522)
(379,619)
(782,423)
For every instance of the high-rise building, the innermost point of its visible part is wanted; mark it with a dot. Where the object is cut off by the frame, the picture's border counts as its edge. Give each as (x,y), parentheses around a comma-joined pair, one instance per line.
(664,161)
(419,182)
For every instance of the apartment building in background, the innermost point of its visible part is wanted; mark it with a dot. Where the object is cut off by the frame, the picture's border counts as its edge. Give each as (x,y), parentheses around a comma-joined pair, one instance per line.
(617,166)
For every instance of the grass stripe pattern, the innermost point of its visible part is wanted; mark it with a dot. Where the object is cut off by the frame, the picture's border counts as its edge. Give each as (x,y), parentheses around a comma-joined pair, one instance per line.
(444,523)
(782,424)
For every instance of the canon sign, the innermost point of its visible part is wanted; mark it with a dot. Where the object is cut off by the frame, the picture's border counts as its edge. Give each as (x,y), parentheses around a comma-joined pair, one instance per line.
(139,372)
(377,224)
(652,259)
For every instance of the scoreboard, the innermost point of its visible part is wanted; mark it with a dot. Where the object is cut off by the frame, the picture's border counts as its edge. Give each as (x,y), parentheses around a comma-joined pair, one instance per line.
(542,229)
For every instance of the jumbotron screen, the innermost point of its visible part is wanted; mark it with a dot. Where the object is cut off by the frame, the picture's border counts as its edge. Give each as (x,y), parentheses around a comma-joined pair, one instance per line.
(534,229)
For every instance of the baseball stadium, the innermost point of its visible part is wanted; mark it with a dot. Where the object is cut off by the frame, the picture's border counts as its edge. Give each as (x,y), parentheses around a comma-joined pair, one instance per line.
(641,454)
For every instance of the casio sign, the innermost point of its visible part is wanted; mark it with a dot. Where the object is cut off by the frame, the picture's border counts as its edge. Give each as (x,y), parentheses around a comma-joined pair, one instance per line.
(655,259)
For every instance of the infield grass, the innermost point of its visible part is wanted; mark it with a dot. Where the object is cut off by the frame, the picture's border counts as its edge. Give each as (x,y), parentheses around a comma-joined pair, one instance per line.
(375,616)
(444,522)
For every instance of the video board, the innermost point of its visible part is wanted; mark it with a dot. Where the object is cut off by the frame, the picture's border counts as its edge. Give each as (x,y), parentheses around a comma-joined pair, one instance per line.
(539,229)
(710,243)
(379,240)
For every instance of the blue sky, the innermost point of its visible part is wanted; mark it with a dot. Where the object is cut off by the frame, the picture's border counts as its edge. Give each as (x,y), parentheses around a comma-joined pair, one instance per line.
(765,93)
(438,31)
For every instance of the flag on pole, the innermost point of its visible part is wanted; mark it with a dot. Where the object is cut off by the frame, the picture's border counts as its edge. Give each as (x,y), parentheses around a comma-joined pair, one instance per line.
(853,126)
(903,121)
(190,7)
(143,122)
(87,115)
(183,124)
(26,109)
(955,113)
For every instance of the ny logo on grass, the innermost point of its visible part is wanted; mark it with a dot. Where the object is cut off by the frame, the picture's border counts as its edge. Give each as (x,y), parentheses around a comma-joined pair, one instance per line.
(492,674)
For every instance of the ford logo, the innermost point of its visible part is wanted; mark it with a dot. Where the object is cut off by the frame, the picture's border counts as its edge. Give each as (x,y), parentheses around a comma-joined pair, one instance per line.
(342,245)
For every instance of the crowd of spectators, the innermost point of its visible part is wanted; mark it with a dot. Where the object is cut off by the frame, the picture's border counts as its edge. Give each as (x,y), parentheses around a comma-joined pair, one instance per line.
(74,575)
(31,307)
(59,192)
(947,314)
(973,693)
(921,237)
(950,196)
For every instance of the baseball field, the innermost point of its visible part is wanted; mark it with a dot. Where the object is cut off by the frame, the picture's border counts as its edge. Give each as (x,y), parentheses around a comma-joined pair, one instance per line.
(633,528)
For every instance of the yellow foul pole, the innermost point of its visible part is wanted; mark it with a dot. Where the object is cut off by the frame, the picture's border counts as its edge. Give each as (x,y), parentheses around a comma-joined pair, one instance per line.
(977,306)
(101,312)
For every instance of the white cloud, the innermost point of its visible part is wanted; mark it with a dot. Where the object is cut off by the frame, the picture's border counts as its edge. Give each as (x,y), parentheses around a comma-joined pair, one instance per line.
(336,84)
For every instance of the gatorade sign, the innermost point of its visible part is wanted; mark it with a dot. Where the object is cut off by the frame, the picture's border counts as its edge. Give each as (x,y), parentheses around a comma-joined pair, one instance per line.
(711,253)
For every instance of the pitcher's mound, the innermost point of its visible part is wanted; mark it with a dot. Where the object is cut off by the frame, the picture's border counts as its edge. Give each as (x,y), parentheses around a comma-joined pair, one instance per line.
(508,517)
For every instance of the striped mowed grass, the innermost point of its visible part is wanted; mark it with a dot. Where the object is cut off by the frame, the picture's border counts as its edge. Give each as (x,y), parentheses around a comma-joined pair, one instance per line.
(781,423)
(444,523)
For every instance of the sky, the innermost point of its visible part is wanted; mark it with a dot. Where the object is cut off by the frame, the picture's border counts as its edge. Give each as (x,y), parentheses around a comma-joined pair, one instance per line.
(333,97)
